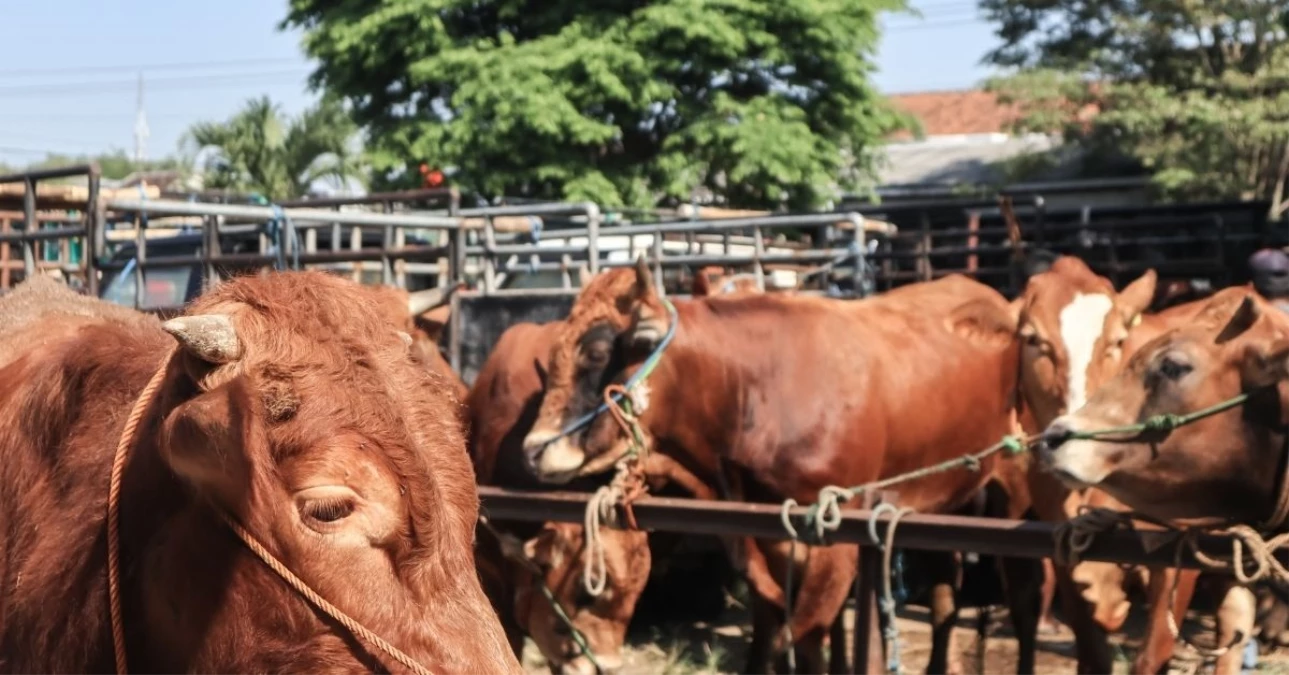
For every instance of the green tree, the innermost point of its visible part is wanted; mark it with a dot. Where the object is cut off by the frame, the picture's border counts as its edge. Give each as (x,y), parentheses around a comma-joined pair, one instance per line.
(1195,91)
(624,102)
(259,149)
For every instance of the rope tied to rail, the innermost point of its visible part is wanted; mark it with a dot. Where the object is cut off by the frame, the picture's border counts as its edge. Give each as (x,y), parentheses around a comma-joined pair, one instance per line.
(279,228)
(128,437)
(886,603)
(825,514)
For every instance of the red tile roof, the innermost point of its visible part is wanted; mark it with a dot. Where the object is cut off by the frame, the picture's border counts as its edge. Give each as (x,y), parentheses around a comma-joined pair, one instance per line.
(957,112)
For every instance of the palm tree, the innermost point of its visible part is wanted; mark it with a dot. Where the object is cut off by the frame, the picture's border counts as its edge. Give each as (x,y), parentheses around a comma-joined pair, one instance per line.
(259,149)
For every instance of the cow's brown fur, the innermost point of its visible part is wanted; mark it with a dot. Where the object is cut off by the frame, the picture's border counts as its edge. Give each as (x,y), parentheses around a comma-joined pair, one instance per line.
(792,418)
(326,394)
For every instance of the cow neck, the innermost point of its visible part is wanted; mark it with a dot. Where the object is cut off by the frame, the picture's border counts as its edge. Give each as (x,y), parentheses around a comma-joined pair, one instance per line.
(687,380)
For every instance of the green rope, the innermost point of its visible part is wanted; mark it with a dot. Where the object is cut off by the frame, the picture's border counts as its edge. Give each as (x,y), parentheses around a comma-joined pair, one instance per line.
(825,514)
(1160,423)
(578,638)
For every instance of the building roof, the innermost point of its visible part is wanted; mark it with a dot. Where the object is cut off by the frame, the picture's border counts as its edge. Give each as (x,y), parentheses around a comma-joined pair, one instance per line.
(964,159)
(971,111)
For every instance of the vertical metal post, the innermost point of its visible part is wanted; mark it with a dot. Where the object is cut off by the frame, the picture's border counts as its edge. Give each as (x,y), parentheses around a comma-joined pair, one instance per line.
(29,226)
(387,242)
(758,250)
(210,250)
(860,240)
(593,239)
(489,257)
(1040,220)
(868,635)
(140,259)
(657,264)
(94,237)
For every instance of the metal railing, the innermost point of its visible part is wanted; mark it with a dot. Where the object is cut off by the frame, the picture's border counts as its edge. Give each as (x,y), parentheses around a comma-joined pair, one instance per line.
(31,232)
(988,536)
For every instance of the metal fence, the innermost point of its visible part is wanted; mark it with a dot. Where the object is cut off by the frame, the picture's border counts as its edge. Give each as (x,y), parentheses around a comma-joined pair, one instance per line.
(988,536)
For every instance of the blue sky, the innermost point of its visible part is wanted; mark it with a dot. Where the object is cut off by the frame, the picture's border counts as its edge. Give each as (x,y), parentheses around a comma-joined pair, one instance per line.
(69,68)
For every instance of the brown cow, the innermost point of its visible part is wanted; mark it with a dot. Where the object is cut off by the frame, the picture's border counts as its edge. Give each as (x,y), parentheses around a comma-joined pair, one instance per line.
(1233,346)
(424,314)
(502,406)
(292,406)
(767,413)
(1074,325)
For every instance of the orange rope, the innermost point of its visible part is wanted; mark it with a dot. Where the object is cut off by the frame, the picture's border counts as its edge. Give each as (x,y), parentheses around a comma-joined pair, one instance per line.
(114,510)
(114,553)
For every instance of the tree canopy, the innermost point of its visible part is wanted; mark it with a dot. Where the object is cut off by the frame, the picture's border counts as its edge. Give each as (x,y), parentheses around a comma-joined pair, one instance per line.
(259,149)
(623,102)
(1195,91)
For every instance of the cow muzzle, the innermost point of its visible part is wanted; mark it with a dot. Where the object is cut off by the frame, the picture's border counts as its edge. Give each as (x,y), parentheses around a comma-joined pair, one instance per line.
(551,457)
(1078,463)
(610,664)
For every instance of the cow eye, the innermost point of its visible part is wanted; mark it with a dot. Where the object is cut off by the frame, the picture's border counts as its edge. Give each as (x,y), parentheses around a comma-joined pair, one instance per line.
(327,510)
(1173,369)
(597,355)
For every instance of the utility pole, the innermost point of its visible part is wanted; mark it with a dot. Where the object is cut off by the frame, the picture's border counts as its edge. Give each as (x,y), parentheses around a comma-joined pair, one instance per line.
(140,129)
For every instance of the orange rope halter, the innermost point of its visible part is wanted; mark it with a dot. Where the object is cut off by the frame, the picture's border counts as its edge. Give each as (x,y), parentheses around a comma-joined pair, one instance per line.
(114,547)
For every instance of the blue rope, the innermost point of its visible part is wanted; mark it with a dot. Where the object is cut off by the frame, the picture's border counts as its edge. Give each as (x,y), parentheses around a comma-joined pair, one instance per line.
(635,379)
(278,228)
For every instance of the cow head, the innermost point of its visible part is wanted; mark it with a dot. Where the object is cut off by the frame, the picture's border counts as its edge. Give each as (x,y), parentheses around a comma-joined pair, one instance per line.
(560,552)
(1226,466)
(1073,325)
(618,320)
(294,406)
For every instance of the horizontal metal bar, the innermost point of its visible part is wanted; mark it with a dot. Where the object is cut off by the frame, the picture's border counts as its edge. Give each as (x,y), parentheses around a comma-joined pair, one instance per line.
(42,235)
(715,225)
(44,174)
(360,218)
(991,536)
(550,209)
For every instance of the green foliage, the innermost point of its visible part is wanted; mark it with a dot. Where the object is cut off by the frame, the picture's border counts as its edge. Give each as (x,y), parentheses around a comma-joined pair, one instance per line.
(114,165)
(261,150)
(622,102)
(1195,91)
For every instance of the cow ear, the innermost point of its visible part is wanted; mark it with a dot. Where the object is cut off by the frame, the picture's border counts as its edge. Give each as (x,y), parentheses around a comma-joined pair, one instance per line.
(205,441)
(985,321)
(1136,298)
(1264,366)
(1245,315)
(702,285)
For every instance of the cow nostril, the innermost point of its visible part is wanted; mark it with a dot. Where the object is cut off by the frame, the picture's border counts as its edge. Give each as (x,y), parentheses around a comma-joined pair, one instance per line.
(1055,435)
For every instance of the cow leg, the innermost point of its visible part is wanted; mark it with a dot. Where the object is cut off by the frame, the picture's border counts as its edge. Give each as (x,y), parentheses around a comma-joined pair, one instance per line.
(1157,648)
(1235,618)
(1046,622)
(945,570)
(826,580)
(1091,642)
(1022,582)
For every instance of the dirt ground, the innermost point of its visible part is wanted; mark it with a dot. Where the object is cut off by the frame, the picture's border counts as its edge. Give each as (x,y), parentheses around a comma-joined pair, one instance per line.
(702,648)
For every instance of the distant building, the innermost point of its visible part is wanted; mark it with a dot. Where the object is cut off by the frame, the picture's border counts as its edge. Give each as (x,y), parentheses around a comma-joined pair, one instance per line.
(967,141)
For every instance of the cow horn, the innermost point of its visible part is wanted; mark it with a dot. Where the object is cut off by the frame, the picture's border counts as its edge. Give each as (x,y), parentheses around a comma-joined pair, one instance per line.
(209,337)
(421,302)
(644,277)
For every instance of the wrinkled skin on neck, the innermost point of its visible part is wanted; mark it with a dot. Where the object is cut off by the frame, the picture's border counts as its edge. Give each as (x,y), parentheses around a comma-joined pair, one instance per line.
(1224,467)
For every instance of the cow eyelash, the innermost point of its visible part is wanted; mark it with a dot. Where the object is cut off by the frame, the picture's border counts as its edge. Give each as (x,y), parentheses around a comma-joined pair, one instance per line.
(328,510)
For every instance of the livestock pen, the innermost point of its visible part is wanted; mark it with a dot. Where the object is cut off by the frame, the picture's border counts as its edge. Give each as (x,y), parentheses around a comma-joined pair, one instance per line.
(403,240)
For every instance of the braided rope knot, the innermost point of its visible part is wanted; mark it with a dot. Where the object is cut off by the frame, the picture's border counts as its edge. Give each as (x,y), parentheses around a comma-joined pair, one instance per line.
(1014,445)
(1165,422)
(971,463)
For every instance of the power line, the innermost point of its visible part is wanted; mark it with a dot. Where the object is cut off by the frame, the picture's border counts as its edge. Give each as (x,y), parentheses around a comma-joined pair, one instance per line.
(190,65)
(112,86)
